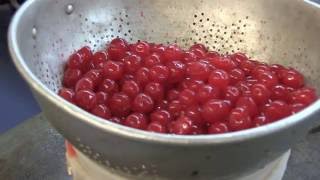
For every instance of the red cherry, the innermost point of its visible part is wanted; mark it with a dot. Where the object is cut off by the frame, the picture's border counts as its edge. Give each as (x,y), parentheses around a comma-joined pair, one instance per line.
(155,91)
(218,128)
(219,78)
(177,71)
(239,57)
(141,48)
(197,129)
(116,120)
(173,94)
(191,84)
(249,104)
(113,70)
(159,73)
(84,84)
(131,88)
(98,59)
(152,60)
(67,94)
(161,116)
(175,107)
(163,104)
(232,94)
(207,92)
(260,69)
(70,78)
(187,97)
(224,63)
(102,97)
(276,68)
(304,96)
(189,56)
(243,86)
(194,113)
(215,110)
(199,46)
(239,119)
(236,75)
(197,70)
(158,48)
(120,104)
(117,49)
(86,99)
(297,107)
(172,53)
(200,53)
(292,79)
(101,110)
(75,61)
(86,55)
(109,86)
(182,126)
(132,63)
(157,127)
(267,78)
(277,110)
(247,66)
(142,76)
(142,103)
(95,75)
(212,54)
(260,93)
(279,92)
(136,120)
(260,121)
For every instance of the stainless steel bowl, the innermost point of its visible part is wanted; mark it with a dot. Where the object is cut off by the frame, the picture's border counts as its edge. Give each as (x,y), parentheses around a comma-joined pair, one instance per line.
(44,32)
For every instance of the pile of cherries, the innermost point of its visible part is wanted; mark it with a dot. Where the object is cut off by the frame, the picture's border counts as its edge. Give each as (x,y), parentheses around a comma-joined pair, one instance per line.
(166,89)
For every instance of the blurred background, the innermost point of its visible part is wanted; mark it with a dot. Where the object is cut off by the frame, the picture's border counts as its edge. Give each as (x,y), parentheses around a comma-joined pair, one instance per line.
(17,103)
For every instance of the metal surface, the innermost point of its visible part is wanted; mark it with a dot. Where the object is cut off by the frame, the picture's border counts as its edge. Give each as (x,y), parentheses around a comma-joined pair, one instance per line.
(284,32)
(39,154)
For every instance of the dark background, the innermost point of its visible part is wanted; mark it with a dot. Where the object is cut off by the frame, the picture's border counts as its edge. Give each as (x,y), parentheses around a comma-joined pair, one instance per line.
(16,101)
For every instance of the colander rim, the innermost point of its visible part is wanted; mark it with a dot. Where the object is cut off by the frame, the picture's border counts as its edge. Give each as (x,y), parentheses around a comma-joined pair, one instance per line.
(136,134)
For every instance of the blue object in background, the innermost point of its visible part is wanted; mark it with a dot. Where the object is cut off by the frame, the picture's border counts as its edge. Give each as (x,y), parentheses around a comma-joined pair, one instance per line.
(16,101)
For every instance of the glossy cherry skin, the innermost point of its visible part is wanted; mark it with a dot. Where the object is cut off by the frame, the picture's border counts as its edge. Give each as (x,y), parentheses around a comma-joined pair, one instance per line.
(143,103)
(132,63)
(157,127)
(67,94)
(71,77)
(218,128)
(86,99)
(131,88)
(159,73)
(136,120)
(215,110)
(239,119)
(155,91)
(117,49)
(102,111)
(219,78)
(120,104)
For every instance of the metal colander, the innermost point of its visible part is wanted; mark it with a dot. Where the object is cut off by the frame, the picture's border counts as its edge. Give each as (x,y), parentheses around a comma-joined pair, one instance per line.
(44,32)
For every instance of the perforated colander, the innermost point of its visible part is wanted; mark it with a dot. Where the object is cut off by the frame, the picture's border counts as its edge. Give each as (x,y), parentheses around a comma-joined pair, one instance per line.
(44,32)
